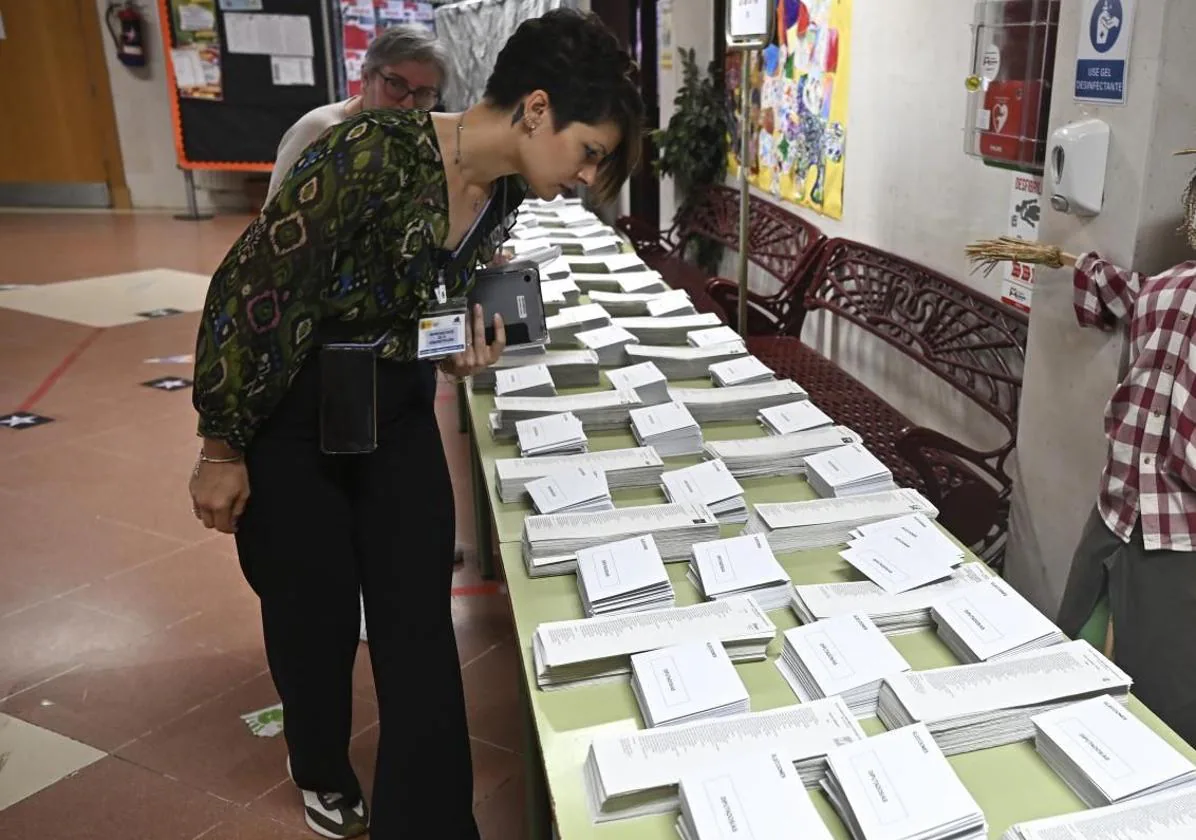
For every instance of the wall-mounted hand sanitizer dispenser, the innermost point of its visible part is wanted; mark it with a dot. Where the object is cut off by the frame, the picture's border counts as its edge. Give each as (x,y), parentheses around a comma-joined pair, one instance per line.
(1075,166)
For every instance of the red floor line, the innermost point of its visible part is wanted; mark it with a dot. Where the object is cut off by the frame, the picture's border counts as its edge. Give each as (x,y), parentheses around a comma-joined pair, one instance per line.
(58,372)
(471,590)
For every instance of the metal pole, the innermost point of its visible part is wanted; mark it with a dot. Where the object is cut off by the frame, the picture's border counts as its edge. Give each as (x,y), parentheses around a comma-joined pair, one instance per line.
(192,214)
(744,147)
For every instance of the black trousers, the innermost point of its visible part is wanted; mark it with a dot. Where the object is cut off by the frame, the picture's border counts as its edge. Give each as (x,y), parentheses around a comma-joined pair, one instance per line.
(317,530)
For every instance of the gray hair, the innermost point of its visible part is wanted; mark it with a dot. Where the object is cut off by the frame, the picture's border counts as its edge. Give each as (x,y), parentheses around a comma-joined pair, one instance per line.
(406,43)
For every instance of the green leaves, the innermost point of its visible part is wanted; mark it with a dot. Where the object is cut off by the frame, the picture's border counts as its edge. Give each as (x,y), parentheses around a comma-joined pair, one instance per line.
(693,148)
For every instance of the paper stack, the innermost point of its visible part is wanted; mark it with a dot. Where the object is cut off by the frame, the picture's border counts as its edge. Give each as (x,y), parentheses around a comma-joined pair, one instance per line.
(633,774)
(623,304)
(913,527)
(645,379)
(591,650)
(666,330)
(713,336)
(574,490)
(624,576)
(637,467)
(606,264)
(899,786)
(524,381)
(564,326)
(990,621)
(988,704)
(898,561)
(557,294)
(799,526)
(556,269)
(591,246)
(536,250)
(608,343)
(894,614)
(740,566)
(1164,816)
(603,282)
(568,217)
(846,656)
(744,370)
(568,368)
(668,428)
(684,362)
(671,305)
(1107,755)
(709,483)
(596,409)
(582,229)
(751,796)
(639,282)
(687,682)
(847,471)
(790,418)
(778,454)
(737,402)
(552,434)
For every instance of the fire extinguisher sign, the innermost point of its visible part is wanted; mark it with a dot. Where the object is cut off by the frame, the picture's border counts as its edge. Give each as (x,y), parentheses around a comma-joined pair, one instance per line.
(1106,30)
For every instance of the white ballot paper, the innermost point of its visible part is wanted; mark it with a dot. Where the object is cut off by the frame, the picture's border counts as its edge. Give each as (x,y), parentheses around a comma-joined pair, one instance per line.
(684,362)
(847,471)
(735,402)
(777,454)
(687,682)
(899,566)
(742,371)
(709,483)
(597,410)
(623,576)
(577,489)
(992,620)
(1164,816)
(670,330)
(721,334)
(742,565)
(645,379)
(606,264)
(799,416)
(797,526)
(555,434)
(916,527)
(634,467)
(524,381)
(668,427)
(569,368)
(622,304)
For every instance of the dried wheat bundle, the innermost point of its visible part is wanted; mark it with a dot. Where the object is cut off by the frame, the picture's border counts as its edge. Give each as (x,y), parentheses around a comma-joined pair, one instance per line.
(989,252)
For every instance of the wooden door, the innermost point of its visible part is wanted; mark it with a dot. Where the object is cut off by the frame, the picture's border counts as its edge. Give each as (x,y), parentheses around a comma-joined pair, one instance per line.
(58,140)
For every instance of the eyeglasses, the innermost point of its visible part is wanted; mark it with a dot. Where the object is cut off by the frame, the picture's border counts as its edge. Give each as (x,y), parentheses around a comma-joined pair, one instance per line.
(399,89)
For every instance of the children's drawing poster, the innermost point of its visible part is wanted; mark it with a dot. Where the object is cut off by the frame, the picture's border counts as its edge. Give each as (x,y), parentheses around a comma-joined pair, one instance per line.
(798,123)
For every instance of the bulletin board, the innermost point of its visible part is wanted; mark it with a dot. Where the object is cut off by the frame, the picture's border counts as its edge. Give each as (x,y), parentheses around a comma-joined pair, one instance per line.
(798,143)
(360,21)
(239,74)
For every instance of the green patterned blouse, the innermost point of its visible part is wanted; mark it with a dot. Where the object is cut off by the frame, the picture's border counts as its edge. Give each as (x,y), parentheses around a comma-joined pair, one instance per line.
(348,247)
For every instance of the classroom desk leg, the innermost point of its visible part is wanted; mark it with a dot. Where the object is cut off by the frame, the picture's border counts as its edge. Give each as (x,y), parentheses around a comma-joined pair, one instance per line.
(539,811)
(483,544)
(462,408)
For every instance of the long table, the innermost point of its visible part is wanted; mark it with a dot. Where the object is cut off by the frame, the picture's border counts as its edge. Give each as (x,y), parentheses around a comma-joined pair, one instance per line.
(1011,783)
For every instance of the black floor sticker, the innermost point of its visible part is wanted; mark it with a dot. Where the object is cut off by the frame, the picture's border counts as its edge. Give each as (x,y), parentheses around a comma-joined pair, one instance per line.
(168,383)
(21,420)
(164,312)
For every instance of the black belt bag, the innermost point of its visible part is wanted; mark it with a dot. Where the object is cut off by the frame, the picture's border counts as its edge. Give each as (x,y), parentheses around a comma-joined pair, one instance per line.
(348,399)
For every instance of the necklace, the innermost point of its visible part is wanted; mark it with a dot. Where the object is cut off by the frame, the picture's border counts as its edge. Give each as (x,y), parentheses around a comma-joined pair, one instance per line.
(477,202)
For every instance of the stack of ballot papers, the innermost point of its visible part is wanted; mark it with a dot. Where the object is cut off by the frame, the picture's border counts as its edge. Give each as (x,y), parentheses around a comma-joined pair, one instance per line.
(847,471)
(557,294)
(645,379)
(894,614)
(744,370)
(899,786)
(684,362)
(637,282)
(564,326)
(989,704)
(1164,816)
(740,566)
(713,336)
(536,251)
(573,490)
(599,649)
(913,527)
(596,409)
(668,428)
(570,216)
(624,576)
(666,331)
(709,483)
(569,368)
(524,381)
(790,418)
(590,246)
(637,467)
(550,543)
(777,454)
(633,774)
(556,269)
(687,682)
(898,559)
(586,229)
(671,305)
(605,264)
(847,655)
(736,402)
(990,621)
(799,526)
(1107,755)
(552,434)
(608,343)
(752,796)
(623,304)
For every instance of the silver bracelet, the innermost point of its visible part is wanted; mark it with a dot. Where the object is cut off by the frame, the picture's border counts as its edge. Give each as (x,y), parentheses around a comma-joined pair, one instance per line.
(205,459)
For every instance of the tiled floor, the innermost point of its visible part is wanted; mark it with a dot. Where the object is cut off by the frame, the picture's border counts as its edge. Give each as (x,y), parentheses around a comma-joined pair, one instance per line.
(129,642)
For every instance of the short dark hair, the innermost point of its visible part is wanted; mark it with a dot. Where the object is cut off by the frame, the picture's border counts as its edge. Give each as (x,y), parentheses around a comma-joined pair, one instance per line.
(588,76)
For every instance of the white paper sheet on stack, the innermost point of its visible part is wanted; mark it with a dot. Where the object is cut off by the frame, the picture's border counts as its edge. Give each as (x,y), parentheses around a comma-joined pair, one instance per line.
(790,418)
(847,471)
(549,206)
(566,217)
(573,490)
(684,362)
(898,562)
(777,454)
(894,614)
(798,526)
(644,378)
(914,526)
(524,381)
(668,428)
(535,250)
(736,566)
(591,228)
(736,402)
(1164,816)
(638,282)
(755,796)
(550,543)
(608,342)
(569,321)
(1107,755)
(594,650)
(847,655)
(899,786)
(709,483)
(597,410)
(636,773)
(665,331)
(713,336)
(674,305)
(587,248)
(621,304)
(569,368)
(557,294)
(623,576)
(632,467)
(988,704)
(606,264)
(990,621)
(555,270)
(744,370)
(552,434)
(687,682)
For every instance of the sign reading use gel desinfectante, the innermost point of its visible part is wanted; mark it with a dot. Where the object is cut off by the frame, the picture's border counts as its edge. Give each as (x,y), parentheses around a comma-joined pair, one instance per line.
(1106,30)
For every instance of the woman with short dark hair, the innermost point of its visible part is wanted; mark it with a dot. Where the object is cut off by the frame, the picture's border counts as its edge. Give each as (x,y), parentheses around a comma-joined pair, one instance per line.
(315,316)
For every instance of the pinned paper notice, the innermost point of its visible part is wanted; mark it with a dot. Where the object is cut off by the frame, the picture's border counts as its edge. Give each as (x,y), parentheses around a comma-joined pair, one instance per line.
(292,71)
(269,34)
(264,723)
(188,68)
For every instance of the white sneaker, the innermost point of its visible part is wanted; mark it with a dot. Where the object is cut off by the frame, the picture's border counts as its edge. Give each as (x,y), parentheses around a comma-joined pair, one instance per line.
(328,814)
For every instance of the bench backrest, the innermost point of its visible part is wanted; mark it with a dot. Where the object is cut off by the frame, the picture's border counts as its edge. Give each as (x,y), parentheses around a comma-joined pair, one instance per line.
(973,342)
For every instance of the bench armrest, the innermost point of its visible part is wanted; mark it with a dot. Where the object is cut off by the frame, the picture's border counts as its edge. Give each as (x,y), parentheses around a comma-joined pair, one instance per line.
(767,314)
(649,241)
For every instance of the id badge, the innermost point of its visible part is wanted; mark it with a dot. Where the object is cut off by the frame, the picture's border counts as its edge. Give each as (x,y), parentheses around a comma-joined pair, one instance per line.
(441,330)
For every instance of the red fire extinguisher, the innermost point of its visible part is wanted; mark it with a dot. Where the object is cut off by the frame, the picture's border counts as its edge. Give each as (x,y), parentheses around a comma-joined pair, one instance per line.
(125,25)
